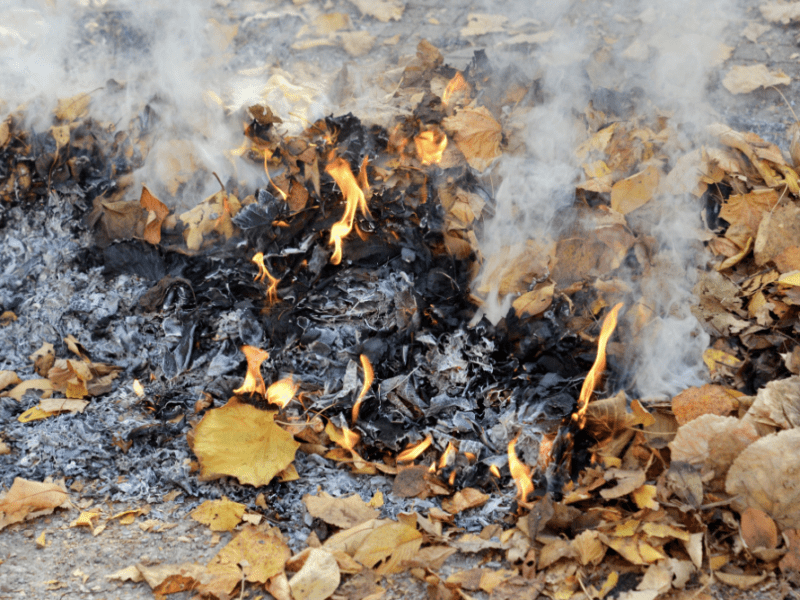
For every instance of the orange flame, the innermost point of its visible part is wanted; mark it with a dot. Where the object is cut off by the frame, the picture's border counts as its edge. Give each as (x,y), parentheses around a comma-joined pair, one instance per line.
(430,146)
(494,471)
(449,456)
(138,388)
(349,439)
(282,391)
(609,324)
(343,176)
(253,381)
(520,472)
(263,273)
(457,83)
(413,452)
(267,154)
(369,375)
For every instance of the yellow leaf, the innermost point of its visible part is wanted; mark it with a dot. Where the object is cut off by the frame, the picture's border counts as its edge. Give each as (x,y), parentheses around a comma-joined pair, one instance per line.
(244,442)
(633,549)
(264,552)
(219,515)
(69,109)
(26,497)
(318,578)
(635,191)
(393,543)
(536,301)
(30,384)
(342,512)
(792,278)
(464,499)
(34,414)
(86,519)
(645,497)
(41,541)
(665,530)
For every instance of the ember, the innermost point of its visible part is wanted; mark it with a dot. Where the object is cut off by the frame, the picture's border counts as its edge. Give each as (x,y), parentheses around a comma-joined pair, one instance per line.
(430,146)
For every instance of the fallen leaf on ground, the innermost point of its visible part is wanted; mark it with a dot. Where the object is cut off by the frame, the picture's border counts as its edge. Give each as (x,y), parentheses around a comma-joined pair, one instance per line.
(219,515)
(244,442)
(156,213)
(383,10)
(391,545)
(342,512)
(477,134)
(742,79)
(31,499)
(260,552)
(481,24)
(764,476)
(464,499)
(318,578)
(777,404)
(634,192)
(8,378)
(780,12)
(758,529)
(697,401)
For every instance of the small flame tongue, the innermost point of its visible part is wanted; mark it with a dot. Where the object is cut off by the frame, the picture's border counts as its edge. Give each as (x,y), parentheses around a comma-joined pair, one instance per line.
(369,375)
(609,324)
(253,381)
(456,84)
(413,452)
(354,196)
(263,273)
(520,472)
(282,391)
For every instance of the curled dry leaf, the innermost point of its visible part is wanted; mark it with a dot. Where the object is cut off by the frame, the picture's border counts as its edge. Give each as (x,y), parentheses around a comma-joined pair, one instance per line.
(777,404)
(765,476)
(244,442)
(712,442)
(31,498)
(758,529)
(464,499)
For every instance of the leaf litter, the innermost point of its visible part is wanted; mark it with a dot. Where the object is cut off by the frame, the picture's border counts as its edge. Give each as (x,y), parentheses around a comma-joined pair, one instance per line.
(662,511)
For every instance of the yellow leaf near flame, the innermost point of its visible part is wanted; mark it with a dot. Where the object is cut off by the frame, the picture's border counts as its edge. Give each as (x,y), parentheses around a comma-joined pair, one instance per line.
(244,442)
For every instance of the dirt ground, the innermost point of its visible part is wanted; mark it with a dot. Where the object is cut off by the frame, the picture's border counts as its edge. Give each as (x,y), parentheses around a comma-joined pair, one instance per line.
(47,558)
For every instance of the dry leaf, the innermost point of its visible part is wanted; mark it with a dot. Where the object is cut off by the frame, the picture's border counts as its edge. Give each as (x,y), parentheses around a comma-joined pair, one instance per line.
(318,578)
(791,561)
(778,231)
(743,582)
(464,499)
(481,24)
(342,512)
(634,549)
(261,554)
(758,529)
(634,192)
(477,134)
(244,442)
(627,482)
(712,442)
(30,384)
(31,499)
(781,12)
(8,378)
(765,476)
(536,301)
(742,79)
(748,209)
(708,399)
(70,109)
(393,543)
(50,407)
(383,10)
(156,213)
(170,579)
(219,515)
(777,404)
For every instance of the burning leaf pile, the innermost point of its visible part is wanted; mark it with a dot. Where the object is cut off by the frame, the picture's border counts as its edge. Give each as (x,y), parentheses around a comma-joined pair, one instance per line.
(337,317)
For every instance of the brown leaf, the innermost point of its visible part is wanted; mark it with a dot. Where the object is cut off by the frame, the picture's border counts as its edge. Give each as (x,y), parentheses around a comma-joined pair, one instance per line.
(778,231)
(8,378)
(708,399)
(743,582)
(342,512)
(261,553)
(244,442)
(157,212)
(758,529)
(477,134)
(627,482)
(764,476)
(748,209)
(712,442)
(777,404)
(393,543)
(170,579)
(31,499)
(790,563)
(463,500)
(634,192)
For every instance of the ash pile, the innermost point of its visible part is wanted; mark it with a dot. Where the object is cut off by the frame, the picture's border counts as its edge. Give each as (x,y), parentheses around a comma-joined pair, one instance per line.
(148,319)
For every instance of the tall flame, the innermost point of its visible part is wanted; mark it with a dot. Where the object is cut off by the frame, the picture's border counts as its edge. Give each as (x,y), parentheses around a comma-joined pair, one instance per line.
(343,176)
(253,381)
(609,324)
(457,83)
(430,146)
(413,452)
(369,375)
(520,472)
(263,273)
(282,391)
